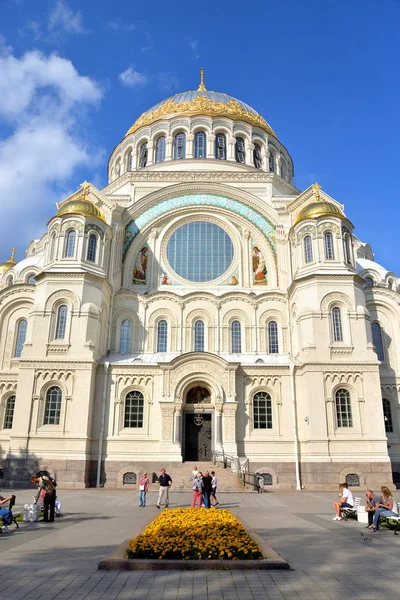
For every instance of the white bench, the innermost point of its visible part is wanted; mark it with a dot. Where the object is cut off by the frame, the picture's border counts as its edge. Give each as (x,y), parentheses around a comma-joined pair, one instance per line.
(397,519)
(351,512)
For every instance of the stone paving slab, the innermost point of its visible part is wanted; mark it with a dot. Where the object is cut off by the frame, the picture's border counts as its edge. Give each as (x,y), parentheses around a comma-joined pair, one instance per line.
(329,559)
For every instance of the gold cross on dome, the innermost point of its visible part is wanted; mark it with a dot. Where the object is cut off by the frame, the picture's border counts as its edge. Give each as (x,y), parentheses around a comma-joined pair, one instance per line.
(316,187)
(13,250)
(85,186)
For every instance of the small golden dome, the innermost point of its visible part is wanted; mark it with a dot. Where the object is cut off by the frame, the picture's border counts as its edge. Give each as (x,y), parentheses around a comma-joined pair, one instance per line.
(82,207)
(8,264)
(319,209)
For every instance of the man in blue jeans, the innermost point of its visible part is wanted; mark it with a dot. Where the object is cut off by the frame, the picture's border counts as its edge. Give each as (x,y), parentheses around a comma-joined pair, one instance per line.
(207,489)
(5,514)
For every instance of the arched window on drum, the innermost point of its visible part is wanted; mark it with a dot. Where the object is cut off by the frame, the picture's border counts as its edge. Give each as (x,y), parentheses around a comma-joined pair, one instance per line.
(257,160)
(240,153)
(220,146)
(160,149)
(125,337)
(180,146)
(273,342)
(143,152)
(200,144)
(162,336)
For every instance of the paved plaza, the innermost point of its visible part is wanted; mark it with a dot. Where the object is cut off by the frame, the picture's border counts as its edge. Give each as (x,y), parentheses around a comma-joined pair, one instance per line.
(329,560)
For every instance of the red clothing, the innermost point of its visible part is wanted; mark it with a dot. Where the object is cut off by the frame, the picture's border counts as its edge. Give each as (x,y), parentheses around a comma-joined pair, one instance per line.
(197,495)
(144,481)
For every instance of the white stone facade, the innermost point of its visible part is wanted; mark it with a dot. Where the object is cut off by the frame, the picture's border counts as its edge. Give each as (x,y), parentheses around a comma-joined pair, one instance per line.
(283,369)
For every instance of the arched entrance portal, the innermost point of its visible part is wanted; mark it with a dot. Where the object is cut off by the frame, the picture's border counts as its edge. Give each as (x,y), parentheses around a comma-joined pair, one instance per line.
(198,424)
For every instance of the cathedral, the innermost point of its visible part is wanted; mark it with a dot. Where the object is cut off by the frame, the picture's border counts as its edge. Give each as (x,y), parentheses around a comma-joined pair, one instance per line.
(200,306)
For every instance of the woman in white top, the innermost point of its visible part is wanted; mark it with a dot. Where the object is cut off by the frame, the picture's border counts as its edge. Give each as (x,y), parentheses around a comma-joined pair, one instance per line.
(386,508)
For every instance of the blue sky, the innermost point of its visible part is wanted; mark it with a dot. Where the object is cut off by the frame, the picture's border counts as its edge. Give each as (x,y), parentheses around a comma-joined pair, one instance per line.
(74,75)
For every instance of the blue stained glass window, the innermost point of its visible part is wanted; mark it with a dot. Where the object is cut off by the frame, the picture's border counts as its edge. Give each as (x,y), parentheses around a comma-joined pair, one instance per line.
(220,146)
(21,335)
(92,243)
(308,254)
(160,149)
(240,154)
(200,251)
(199,336)
(70,245)
(162,336)
(200,145)
(180,146)
(236,338)
(61,322)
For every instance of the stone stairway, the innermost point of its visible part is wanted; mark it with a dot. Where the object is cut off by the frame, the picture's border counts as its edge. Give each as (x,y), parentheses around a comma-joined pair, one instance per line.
(227,481)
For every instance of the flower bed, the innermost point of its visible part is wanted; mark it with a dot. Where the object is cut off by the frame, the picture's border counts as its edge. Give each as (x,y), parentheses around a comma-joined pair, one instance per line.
(194,534)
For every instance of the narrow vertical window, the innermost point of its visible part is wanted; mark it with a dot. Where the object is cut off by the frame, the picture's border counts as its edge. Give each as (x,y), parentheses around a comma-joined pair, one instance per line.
(377,340)
(125,337)
(129,161)
(10,281)
(236,337)
(21,336)
(52,409)
(162,336)
(343,409)
(180,146)
(240,154)
(53,247)
(328,242)
(199,336)
(143,155)
(337,325)
(271,162)
(220,146)
(200,145)
(31,280)
(273,343)
(347,249)
(257,156)
(262,411)
(61,322)
(9,414)
(160,149)
(283,169)
(387,415)
(368,282)
(70,244)
(134,407)
(92,245)
(308,253)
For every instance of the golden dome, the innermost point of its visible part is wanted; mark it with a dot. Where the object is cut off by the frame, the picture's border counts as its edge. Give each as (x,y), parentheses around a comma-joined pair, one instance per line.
(8,264)
(82,207)
(319,209)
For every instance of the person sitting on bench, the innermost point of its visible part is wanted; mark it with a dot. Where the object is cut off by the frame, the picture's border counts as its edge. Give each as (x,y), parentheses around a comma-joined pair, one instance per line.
(5,514)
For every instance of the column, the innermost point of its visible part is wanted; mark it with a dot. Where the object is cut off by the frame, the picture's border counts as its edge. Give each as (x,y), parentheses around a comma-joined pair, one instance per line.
(150,154)
(267,155)
(278,164)
(168,148)
(229,428)
(230,151)
(178,427)
(211,146)
(249,154)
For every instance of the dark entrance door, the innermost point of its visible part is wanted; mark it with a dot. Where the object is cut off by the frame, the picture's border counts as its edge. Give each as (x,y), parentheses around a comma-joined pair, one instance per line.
(197,438)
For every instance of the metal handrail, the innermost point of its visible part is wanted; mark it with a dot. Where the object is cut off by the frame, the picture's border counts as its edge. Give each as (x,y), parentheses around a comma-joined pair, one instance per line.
(253,480)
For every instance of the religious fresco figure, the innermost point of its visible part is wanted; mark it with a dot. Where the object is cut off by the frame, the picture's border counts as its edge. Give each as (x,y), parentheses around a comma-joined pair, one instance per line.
(140,268)
(259,268)
(197,395)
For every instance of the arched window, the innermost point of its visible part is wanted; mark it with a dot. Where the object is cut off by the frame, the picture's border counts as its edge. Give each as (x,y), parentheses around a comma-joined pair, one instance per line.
(134,407)
(308,253)
(160,149)
(236,337)
(377,340)
(61,322)
(129,478)
(9,414)
(329,249)
(271,162)
(92,246)
(283,169)
(390,284)
(180,146)
(162,336)
(369,282)
(267,477)
(10,281)
(70,244)
(125,337)
(220,146)
(343,409)
(347,249)
(257,156)
(129,161)
(387,415)
(199,336)
(200,144)
(52,409)
(273,344)
(262,411)
(143,155)
(337,325)
(53,243)
(31,280)
(21,336)
(240,153)
(352,480)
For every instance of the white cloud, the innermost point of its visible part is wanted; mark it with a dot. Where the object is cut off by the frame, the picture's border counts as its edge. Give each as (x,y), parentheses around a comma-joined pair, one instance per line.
(194,46)
(120,26)
(167,82)
(132,78)
(44,106)
(4,49)
(63,19)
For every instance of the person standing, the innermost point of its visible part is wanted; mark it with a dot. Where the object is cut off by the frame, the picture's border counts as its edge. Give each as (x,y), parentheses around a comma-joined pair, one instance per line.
(207,488)
(214,489)
(371,502)
(165,483)
(197,487)
(143,487)
(386,508)
(49,486)
(346,501)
